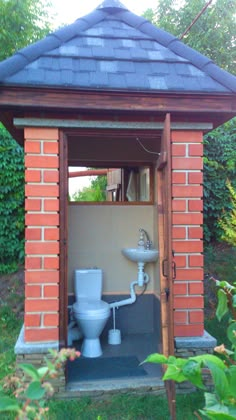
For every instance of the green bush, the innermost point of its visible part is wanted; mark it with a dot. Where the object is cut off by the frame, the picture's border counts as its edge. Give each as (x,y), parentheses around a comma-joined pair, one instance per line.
(219,165)
(11,203)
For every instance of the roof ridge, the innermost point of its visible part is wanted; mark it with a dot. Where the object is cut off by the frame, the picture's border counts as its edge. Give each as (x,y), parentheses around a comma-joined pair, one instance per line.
(26,55)
(168,40)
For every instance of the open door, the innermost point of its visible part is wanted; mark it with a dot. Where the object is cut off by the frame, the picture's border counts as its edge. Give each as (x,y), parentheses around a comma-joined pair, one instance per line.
(63,191)
(167,265)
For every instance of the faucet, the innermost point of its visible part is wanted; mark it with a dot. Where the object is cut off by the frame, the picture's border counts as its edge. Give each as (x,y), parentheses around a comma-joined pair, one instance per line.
(148,243)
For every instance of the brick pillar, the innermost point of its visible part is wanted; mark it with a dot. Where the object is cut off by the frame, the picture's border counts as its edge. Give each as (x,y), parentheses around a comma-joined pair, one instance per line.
(187,219)
(41,234)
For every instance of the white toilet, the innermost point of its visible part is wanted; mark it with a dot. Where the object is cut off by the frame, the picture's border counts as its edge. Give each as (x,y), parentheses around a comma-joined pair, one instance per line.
(90,312)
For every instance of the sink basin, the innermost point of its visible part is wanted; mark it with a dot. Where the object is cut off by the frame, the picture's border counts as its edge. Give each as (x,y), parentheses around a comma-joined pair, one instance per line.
(140,255)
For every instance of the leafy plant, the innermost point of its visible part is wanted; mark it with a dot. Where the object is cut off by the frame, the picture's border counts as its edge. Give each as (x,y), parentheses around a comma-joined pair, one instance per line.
(11,202)
(221,403)
(32,388)
(228,221)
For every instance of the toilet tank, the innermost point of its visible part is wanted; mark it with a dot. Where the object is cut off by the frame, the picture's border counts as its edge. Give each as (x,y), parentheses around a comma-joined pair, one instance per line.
(88,283)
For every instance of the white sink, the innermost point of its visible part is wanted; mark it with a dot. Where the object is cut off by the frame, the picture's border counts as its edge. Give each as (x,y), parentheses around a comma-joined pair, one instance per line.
(140,255)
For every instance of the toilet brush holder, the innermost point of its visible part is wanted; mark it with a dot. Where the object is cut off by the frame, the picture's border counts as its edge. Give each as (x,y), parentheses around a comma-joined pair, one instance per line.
(114,337)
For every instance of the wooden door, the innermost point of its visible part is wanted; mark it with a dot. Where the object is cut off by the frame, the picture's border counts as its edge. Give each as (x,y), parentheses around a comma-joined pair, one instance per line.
(167,268)
(63,220)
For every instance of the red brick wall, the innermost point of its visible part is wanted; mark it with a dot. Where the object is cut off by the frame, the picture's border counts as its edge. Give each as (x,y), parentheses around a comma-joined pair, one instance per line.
(42,234)
(187,218)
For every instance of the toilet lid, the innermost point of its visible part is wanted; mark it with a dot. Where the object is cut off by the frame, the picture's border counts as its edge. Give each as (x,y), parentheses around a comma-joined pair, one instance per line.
(93,307)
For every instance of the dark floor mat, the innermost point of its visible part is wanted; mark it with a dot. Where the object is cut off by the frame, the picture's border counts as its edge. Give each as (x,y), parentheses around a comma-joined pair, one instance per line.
(85,369)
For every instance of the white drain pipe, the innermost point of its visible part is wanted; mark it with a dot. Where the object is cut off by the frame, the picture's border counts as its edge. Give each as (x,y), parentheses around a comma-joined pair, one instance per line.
(133,297)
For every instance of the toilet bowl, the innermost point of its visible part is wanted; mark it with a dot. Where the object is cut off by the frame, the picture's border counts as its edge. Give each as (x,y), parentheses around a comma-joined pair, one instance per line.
(90,312)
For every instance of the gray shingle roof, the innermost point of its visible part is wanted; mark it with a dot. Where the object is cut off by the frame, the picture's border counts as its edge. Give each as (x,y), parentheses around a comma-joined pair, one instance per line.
(112,48)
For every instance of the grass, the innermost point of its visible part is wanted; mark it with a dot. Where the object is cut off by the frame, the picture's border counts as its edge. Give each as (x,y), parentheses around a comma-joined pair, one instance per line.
(9,326)
(126,407)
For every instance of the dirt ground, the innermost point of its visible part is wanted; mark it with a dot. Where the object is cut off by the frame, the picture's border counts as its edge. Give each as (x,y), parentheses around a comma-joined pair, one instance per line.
(12,291)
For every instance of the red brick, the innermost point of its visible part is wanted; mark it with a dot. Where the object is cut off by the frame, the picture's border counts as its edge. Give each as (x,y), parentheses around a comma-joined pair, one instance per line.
(42,220)
(196,317)
(33,291)
(180,288)
(195,149)
(33,204)
(44,305)
(195,205)
(179,233)
(41,277)
(33,234)
(32,146)
(41,190)
(51,320)
(178,177)
(187,136)
(187,191)
(188,302)
(189,330)
(179,205)
(51,234)
(195,232)
(33,263)
(51,291)
(180,317)
(189,274)
(196,260)
(32,176)
(51,205)
(190,163)
(196,288)
(41,335)
(195,177)
(41,161)
(178,149)
(187,218)
(45,248)
(41,133)
(51,147)
(188,246)
(51,176)
(51,263)
(33,320)
(180,260)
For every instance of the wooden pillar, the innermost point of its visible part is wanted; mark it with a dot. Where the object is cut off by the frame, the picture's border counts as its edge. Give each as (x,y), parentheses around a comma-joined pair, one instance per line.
(42,234)
(187,219)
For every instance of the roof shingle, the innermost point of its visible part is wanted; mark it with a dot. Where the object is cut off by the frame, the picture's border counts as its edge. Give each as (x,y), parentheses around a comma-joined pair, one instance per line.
(112,48)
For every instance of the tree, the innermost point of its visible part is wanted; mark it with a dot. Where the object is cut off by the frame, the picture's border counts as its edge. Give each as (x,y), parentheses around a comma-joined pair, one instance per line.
(95,192)
(214,35)
(23,22)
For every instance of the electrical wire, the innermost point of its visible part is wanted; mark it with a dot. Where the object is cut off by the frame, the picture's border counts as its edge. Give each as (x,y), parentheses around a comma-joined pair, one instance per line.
(144,148)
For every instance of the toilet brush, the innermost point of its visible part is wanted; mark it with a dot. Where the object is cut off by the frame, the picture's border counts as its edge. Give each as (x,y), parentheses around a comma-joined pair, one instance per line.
(114,336)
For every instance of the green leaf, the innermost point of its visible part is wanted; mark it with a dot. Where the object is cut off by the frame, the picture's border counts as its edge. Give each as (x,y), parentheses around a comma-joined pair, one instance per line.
(30,370)
(42,371)
(8,404)
(216,416)
(192,371)
(232,380)
(204,358)
(175,373)
(234,301)
(35,391)
(155,358)
(222,307)
(231,333)
(220,381)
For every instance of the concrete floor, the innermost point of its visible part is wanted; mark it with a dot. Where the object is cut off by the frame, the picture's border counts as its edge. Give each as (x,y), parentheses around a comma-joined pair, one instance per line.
(139,345)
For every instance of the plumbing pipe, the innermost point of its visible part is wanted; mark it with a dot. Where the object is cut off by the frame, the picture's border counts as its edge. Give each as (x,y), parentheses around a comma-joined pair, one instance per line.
(128,301)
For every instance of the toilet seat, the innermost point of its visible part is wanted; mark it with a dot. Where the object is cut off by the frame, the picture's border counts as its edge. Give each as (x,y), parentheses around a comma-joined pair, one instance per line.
(91,308)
